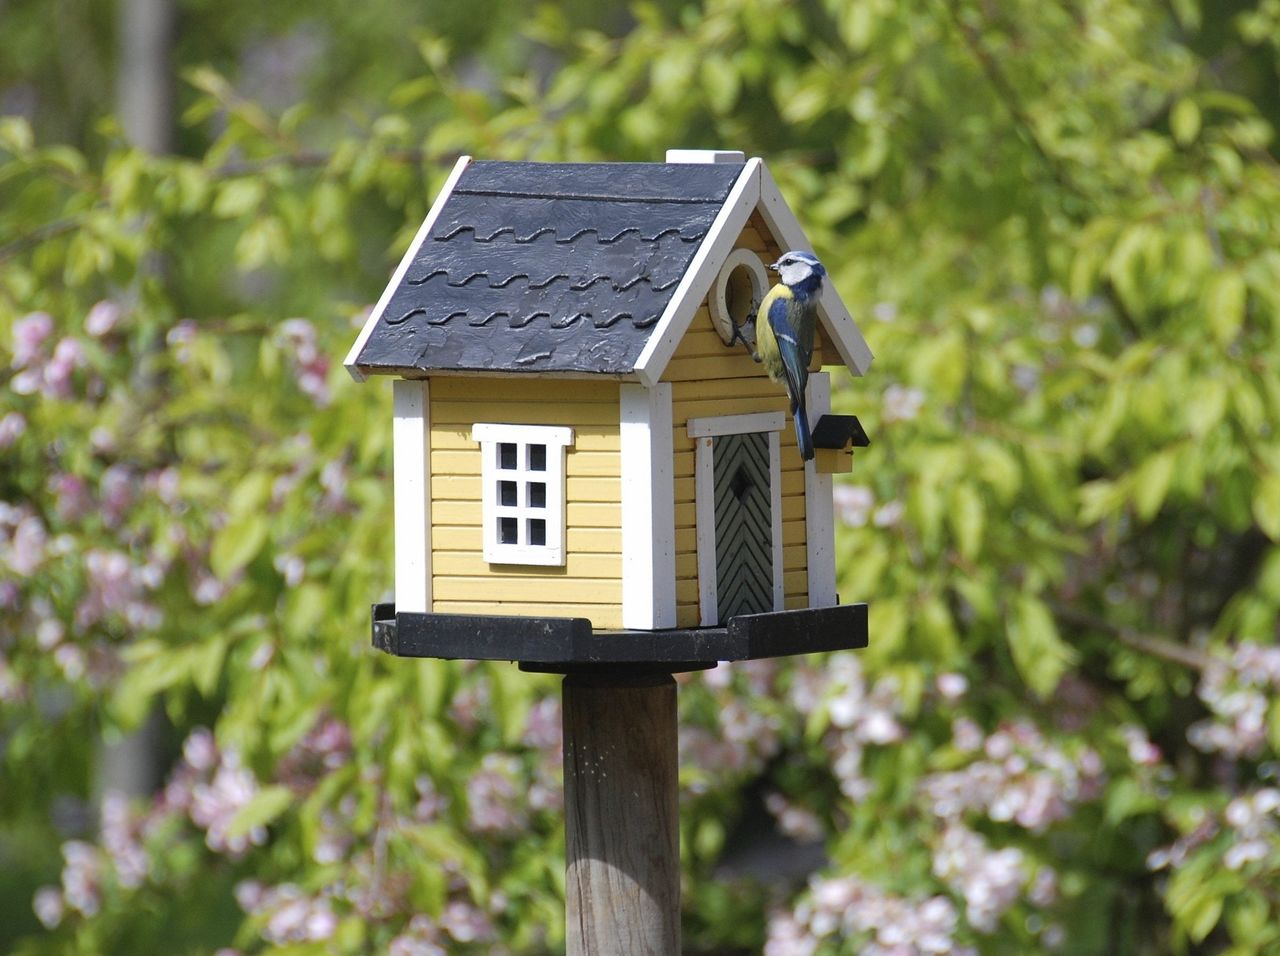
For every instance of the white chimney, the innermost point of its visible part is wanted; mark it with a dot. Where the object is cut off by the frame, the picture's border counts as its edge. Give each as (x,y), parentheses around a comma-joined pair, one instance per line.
(706,156)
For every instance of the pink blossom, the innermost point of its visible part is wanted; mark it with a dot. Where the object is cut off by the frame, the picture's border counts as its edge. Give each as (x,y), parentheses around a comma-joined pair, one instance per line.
(902,404)
(29,334)
(12,427)
(68,356)
(72,500)
(465,923)
(495,800)
(853,504)
(49,906)
(542,725)
(888,515)
(116,489)
(25,549)
(952,686)
(102,318)
(199,750)
(82,877)
(291,568)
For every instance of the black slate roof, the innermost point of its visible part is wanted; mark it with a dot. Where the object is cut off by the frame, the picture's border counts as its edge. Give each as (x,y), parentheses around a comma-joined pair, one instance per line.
(536,267)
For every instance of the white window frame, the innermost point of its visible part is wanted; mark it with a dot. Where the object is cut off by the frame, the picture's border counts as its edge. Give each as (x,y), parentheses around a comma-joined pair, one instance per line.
(555,439)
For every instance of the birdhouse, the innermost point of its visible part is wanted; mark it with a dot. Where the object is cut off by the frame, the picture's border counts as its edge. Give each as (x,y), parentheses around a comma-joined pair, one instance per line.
(588,460)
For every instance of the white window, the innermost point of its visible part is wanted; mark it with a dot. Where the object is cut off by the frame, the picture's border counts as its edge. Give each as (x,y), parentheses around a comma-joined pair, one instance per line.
(524,492)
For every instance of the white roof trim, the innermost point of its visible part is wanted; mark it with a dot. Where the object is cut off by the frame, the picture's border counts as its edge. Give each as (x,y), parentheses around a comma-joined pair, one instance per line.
(701,272)
(401,269)
(832,312)
(754,189)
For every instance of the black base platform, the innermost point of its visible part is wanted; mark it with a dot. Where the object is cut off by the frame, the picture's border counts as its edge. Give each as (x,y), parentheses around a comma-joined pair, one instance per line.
(569,644)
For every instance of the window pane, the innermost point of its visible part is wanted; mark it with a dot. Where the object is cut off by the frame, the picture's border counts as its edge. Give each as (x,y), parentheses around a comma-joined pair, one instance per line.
(507,529)
(506,455)
(537,494)
(537,457)
(537,531)
(507,493)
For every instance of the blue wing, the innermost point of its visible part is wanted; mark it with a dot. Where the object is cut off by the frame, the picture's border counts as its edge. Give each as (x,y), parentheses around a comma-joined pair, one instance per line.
(795,362)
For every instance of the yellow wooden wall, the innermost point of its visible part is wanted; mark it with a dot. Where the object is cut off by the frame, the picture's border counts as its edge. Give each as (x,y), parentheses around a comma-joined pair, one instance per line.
(707,379)
(462,582)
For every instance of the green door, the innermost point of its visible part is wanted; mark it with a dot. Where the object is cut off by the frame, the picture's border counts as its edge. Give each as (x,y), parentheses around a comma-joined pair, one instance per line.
(744,524)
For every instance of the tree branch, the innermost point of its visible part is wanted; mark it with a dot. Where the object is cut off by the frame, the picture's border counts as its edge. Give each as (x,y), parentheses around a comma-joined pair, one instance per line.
(1152,644)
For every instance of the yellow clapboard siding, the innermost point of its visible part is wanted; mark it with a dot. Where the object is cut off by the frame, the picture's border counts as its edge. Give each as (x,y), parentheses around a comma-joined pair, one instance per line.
(727,389)
(585,540)
(686,566)
(500,587)
(588,514)
(601,464)
(751,239)
(686,590)
(557,391)
(687,615)
(685,489)
(794,582)
(686,514)
(703,367)
(793,532)
(468,487)
(457,437)
(682,462)
(604,616)
(577,565)
(573,414)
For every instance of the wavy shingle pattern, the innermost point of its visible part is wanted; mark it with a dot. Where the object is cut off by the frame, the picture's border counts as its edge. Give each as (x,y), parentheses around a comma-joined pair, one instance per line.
(548,267)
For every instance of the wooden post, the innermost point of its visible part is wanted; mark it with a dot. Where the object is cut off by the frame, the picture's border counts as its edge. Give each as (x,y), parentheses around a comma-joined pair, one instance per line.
(622,821)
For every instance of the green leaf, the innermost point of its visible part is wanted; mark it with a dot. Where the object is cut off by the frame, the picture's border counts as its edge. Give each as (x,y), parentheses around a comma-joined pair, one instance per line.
(239,197)
(1038,652)
(1225,298)
(967,518)
(1184,121)
(1266,505)
(263,807)
(237,544)
(1151,484)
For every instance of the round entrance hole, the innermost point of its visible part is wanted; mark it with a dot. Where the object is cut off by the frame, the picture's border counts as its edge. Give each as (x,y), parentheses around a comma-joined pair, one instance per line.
(739,287)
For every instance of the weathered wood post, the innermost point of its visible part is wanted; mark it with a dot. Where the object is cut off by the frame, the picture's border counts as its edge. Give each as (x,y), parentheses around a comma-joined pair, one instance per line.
(622,822)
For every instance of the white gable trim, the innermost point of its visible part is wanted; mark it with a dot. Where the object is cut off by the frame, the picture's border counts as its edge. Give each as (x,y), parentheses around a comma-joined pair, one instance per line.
(401,269)
(755,189)
(832,312)
(701,272)
(648,508)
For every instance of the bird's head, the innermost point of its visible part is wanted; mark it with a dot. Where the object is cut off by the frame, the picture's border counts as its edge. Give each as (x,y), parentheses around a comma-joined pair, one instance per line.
(796,268)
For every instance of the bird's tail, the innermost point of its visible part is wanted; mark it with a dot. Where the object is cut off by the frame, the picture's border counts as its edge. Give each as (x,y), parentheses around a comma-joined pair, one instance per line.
(804,438)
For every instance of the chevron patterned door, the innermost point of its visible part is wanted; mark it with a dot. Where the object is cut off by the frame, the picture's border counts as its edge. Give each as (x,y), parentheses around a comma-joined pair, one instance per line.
(743,523)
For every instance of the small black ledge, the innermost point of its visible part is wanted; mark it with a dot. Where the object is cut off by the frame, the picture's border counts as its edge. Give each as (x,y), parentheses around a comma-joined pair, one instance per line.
(564,644)
(839,431)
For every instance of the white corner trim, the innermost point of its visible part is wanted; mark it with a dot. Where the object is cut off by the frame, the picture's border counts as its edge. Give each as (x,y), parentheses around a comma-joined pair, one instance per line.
(648,508)
(737,424)
(775,507)
(706,156)
(832,312)
(411,435)
(819,507)
(441,198)
(704,493)
(697,279)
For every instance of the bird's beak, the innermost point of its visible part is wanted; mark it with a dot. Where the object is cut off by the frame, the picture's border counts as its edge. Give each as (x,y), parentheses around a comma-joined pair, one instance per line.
(773,267)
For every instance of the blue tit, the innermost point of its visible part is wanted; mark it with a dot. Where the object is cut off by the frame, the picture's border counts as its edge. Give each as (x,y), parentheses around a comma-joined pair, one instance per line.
(784,333)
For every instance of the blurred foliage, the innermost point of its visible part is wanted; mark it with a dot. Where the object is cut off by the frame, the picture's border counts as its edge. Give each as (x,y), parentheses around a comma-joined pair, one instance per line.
(1056,225)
